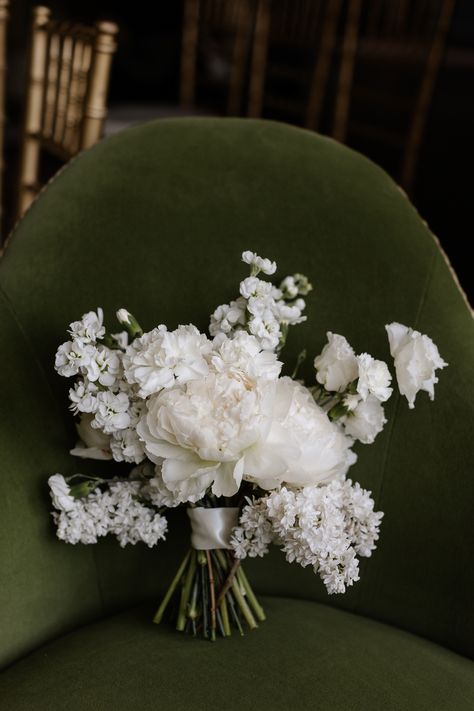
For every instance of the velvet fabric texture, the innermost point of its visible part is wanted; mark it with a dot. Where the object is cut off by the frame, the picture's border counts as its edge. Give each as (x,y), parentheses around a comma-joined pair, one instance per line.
(155,219)
(308,656)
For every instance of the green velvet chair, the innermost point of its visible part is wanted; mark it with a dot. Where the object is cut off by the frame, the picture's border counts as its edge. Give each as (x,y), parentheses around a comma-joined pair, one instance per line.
(155,219)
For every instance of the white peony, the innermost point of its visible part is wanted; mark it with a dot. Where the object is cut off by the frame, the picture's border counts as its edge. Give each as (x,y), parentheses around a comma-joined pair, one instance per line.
(416,360)
(336,366)
(366,421)
(201,431)
(161,358)
(374,378)
(303,447)
(60,493)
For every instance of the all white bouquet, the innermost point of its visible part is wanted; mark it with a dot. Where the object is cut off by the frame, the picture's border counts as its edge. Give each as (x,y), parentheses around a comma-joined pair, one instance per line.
(210,423)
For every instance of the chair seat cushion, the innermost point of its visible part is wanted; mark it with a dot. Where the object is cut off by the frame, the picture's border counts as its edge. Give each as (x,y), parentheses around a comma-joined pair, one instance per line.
(306,656)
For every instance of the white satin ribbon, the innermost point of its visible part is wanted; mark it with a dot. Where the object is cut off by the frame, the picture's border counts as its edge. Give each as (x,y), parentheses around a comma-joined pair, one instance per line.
(211,528)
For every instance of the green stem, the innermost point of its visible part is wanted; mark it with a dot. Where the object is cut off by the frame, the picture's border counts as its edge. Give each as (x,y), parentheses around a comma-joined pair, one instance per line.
(257,608)
(164,603)
(181,623)
(245,609)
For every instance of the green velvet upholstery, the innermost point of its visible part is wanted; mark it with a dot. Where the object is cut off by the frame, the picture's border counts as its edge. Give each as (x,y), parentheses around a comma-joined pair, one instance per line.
(309,657)
(155,219)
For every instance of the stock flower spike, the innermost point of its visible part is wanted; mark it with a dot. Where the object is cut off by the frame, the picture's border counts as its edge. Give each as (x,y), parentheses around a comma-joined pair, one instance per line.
(209,423)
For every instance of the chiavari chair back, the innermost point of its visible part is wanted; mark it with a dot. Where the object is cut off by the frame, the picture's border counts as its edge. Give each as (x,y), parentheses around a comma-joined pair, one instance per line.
(66,96)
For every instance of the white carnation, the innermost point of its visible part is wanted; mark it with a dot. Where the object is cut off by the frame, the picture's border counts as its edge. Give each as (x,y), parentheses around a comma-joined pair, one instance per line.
(416,360)
(161,358)
(374,378)
(366,420)
(244,354)
(336,366)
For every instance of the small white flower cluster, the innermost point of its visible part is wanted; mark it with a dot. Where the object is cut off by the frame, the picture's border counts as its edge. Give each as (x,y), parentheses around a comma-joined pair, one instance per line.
(118,511)
(262,309)
(362,383)
(322,526)
(101,396)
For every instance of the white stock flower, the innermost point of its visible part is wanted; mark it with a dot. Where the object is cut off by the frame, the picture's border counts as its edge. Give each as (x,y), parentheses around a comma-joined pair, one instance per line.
(71,357)
(161,358)
(336,366)
(60,493)
(83,397)
(374,378)
(228,317)
(112,412)
(103,366)
(126,446)
(89,329)
(260,263)
(366,420)
(93,444)
(416,360)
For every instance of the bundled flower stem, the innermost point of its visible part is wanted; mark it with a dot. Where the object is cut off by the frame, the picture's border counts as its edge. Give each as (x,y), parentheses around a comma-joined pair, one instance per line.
(215,596)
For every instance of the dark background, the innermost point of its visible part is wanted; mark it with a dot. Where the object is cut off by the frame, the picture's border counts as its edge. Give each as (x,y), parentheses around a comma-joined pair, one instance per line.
(145,73)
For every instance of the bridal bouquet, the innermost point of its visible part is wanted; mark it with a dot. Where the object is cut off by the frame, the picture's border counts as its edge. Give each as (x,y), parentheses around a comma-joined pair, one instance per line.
(211,424)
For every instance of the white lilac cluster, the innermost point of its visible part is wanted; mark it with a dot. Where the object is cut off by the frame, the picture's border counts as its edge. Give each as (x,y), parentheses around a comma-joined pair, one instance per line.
(118,510)
(325,527)
(362,384)
(262,309)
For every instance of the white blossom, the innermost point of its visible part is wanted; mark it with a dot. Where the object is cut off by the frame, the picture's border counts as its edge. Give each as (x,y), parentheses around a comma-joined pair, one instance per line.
(321,526)
(112,412)
(373,378)
(416,360)
(244,354)
(117,511)
(161,358)
(60,493)
(366,420)
(260,263)
(228,317)
(89,329)
(83,397)
(336,366)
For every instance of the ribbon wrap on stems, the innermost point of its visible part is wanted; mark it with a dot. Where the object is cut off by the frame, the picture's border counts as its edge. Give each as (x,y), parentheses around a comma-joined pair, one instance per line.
(211,528)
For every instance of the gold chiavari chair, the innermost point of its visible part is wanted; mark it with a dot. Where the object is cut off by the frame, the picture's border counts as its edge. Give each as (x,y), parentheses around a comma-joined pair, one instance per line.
(3,68)
(297,44)
(211,23)
(66,97)
(400,49)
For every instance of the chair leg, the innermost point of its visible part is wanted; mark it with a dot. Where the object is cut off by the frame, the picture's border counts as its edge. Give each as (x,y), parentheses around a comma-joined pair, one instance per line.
(259,59)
